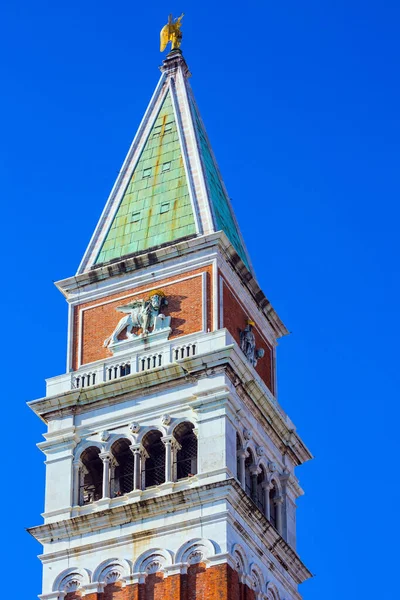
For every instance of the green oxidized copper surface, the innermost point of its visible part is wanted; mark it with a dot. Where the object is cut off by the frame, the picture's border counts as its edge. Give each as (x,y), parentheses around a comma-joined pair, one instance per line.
(222,211)
(156,207)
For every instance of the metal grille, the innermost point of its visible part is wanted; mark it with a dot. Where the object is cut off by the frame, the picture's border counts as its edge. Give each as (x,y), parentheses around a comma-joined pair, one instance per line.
(186,462)
(260,499)
(155,470)
(272,508)
(122,482)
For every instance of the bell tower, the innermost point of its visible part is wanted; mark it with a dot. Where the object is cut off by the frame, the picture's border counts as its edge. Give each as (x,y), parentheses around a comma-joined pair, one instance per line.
(170,465)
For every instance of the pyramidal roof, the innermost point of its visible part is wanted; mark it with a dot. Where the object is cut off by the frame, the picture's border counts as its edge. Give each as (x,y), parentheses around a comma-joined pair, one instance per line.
(169,188)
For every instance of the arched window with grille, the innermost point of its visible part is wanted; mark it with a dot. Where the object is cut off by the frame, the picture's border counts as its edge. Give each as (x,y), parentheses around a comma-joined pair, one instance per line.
(91,476)
(122,474)
(153,472)
(186,456)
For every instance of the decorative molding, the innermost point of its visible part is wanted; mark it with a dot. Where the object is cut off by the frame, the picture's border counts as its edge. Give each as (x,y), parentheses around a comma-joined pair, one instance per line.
(71,580)
(153,561)
(134,428)
(272,591)
(256,578)
(166,420)
(247,434)
(112,570)
(195,551)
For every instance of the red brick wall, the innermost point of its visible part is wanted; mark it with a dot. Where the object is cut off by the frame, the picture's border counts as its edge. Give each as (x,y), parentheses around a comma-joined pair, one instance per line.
(235,319)
(215,583)
(184,306)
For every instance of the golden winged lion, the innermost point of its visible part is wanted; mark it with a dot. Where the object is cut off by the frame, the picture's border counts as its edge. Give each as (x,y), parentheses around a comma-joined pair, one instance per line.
(171,32)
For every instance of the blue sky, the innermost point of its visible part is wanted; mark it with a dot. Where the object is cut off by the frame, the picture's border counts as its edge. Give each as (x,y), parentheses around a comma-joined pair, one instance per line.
(301,102)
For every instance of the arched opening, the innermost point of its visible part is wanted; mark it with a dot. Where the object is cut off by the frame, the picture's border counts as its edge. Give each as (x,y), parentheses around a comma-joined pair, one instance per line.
(91,479)
(247,472)
(186,457)
(122,476)
(260,498)
(154,465)
(273,508)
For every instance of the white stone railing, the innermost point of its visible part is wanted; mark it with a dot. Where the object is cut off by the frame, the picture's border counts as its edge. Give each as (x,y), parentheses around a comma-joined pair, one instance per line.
(138,362)
(129,363)
(160,355)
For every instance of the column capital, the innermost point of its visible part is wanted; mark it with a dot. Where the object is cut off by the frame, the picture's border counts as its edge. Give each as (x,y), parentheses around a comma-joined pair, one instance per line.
(170,440)
(139,449)
(106,456)
(254,470)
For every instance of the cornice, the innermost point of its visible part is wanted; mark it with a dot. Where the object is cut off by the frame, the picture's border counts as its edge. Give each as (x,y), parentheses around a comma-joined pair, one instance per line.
(135,263)
(223,491)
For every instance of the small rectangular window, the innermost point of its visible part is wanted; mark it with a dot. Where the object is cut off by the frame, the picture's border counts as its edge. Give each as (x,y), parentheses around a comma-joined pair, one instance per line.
(164,207)
(135,217)
(147,172)
(166,166)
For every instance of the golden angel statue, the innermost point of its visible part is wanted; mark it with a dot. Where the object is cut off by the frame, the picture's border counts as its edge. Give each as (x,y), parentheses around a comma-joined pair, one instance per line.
(171,32)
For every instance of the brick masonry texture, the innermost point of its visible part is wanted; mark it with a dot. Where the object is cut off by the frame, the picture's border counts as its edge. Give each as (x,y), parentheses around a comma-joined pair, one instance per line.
(234,319)
(184,306)
(215,583)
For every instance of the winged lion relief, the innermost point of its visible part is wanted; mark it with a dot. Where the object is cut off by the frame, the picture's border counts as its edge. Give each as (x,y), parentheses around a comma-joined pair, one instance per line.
(141,314)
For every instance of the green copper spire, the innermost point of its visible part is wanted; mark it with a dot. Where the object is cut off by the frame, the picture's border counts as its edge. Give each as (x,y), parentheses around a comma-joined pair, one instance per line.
(169,188)
(155,208)
(223,216)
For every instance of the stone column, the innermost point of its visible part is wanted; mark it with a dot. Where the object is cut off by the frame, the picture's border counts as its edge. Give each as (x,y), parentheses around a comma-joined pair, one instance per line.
(106,458)
(138,452)
(78,469)
(171,448)
(242,474)
(167,441)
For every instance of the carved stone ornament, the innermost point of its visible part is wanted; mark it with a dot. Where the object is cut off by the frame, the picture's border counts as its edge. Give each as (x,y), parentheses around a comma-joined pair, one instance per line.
(166,420)
(247,434)
(195,557)
(272,467)
(112,576)
(144,315)
(248,344)
(72,585)
(154,567)
(134,427)
(260,451)
(104,436)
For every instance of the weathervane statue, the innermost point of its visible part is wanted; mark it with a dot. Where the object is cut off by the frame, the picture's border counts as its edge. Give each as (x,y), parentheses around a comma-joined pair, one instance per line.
(171,32)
